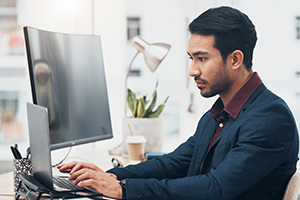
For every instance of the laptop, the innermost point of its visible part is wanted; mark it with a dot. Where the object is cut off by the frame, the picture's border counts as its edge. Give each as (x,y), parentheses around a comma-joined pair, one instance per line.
(39,140)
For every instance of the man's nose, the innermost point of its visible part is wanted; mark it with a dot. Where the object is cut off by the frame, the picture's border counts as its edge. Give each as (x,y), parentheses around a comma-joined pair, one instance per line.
(194,70)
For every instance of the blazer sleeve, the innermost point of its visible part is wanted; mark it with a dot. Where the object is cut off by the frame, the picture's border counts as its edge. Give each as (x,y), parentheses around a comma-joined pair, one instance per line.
(172,165)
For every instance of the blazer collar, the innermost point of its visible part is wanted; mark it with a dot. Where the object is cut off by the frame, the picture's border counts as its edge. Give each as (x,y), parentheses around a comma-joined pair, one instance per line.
(260,88)
(238,101)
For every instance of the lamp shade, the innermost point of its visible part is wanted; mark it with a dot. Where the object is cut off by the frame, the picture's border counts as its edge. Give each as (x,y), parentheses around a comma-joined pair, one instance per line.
(153,53)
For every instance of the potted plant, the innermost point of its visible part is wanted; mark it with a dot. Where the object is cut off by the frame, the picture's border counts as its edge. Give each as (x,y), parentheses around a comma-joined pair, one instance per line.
(145,120)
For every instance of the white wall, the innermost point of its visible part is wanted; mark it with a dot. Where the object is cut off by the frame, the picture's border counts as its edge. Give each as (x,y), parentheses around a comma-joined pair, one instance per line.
(110,23)
(69,16)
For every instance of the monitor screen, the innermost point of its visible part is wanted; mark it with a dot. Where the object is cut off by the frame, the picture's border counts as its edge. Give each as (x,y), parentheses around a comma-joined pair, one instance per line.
(67,77)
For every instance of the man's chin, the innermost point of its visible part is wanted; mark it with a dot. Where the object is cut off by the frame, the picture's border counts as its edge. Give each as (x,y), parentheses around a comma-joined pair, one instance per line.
(206,94)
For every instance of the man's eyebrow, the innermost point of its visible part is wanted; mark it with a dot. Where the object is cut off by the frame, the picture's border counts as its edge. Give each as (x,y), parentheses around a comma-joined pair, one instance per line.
(198,53)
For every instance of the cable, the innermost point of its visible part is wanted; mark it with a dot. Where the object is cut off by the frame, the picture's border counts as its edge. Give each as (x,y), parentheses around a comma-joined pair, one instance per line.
(63,158)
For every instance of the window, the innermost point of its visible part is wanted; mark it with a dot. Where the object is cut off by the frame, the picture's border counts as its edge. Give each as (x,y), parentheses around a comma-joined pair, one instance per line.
(12,74)
(298,27)
(133,27)
(11,128)
(11,38)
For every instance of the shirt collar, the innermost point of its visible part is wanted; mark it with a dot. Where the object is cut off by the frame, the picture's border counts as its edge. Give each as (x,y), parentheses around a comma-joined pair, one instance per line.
(235,105)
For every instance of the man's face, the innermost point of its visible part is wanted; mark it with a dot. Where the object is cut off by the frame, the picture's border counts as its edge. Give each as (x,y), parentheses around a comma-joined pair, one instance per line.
(207,66)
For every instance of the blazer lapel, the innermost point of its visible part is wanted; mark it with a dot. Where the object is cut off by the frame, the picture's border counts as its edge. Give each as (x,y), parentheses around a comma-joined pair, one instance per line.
(202,146)
(260,88)
(215,143)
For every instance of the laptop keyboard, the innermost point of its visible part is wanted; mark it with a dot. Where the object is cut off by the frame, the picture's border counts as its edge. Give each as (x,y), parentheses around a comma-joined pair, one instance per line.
(66,184)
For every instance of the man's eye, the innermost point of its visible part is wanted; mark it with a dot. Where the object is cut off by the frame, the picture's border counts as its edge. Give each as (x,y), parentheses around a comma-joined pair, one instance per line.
(202,59)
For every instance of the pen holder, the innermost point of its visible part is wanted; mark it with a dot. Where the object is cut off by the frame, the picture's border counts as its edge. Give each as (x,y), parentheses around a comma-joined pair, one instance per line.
(21,166)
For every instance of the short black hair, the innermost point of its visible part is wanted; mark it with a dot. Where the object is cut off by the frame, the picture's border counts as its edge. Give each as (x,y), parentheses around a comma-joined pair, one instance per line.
(233,30)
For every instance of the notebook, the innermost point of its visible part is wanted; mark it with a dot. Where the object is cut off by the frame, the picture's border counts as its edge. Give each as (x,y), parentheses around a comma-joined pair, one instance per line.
(39,140)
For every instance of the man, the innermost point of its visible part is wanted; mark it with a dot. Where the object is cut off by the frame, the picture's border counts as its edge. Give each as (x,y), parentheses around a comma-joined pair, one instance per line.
(245,147)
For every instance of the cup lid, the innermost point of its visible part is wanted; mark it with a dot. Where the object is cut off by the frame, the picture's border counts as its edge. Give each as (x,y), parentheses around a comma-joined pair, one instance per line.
(136,139)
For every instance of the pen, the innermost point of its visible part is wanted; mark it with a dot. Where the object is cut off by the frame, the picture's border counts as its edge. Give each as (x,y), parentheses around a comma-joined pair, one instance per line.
(28,153)
(13,152)
(16,152)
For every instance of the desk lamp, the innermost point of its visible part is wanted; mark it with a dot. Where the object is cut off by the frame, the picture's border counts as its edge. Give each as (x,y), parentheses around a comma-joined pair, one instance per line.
(153,55)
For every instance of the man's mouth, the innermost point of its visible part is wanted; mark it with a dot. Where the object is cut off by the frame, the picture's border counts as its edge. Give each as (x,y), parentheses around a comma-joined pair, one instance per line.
(200,82)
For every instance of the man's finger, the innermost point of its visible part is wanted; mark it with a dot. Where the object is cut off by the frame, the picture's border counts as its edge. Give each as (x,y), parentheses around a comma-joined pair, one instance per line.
(82,175)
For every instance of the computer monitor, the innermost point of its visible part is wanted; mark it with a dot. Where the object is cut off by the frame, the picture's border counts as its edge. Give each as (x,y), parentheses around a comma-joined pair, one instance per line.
(67,77)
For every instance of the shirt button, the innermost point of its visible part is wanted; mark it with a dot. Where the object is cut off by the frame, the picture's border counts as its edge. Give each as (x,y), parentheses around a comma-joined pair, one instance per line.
(221,125)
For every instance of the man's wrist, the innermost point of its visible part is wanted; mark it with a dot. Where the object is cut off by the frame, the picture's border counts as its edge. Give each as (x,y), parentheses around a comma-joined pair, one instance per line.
(112,175)
(123,185)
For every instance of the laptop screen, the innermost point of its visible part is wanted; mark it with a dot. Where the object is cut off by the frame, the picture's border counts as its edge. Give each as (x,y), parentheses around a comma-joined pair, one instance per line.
(39,141)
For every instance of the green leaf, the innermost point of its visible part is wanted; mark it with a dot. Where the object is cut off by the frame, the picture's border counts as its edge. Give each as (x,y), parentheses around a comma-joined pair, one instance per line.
(140,108)
(157,112)
(143,108)
(131,100)
(145,99)
(151,104)
(159,109)
(134,111)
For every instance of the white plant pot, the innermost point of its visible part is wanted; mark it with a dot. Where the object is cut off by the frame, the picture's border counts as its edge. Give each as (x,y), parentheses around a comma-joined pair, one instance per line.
(150,128)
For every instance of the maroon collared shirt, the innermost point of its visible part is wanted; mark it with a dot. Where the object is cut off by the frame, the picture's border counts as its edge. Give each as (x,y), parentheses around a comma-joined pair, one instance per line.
(233,108)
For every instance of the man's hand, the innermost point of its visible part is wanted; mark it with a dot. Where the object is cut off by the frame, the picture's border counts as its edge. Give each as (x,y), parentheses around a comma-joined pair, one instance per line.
(87,174)
(75,166)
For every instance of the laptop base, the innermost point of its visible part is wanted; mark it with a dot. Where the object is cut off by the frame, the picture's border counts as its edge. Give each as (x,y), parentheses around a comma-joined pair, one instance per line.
(31,189)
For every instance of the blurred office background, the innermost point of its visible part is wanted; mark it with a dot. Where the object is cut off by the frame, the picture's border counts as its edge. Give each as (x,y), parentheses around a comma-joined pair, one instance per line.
(276,57)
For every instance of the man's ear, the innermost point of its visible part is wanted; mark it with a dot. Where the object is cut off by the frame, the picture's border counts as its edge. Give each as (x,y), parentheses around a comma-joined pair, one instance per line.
(237,58)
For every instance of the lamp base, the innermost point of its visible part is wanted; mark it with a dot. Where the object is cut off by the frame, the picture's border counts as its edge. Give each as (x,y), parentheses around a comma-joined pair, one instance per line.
(117,151)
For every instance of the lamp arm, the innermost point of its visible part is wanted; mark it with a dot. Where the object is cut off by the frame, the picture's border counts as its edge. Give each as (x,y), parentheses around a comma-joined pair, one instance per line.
(126,77)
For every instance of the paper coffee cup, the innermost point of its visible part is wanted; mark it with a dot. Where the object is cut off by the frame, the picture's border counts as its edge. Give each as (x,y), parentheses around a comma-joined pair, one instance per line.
(136,147)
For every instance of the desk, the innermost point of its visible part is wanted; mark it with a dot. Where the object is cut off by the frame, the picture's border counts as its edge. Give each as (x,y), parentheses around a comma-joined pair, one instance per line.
(6,186)
(98,156)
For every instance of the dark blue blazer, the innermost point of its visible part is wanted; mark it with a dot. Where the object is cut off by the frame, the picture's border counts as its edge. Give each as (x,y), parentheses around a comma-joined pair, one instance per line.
(253,158)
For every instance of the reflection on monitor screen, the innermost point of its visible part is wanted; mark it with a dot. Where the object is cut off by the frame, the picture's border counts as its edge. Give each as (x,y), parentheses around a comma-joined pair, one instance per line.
(67,77)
